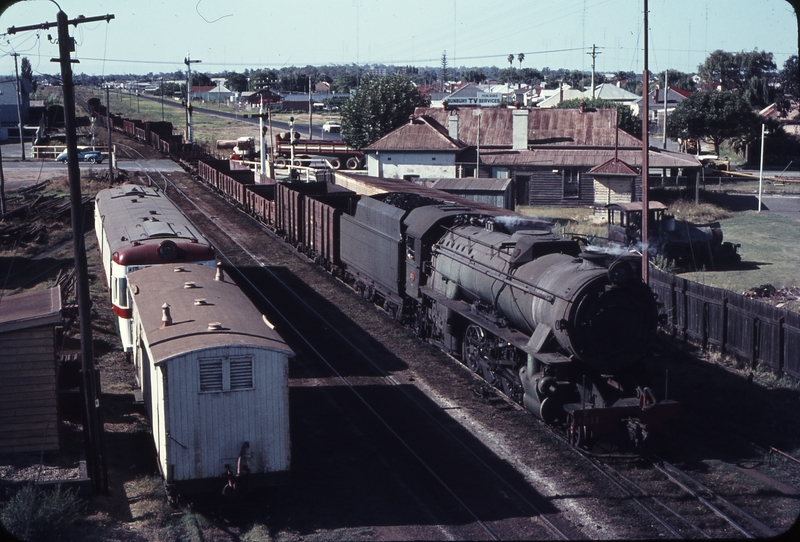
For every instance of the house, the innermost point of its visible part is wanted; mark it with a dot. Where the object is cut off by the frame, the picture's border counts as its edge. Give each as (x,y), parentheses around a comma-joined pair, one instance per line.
(29,420)
(9,118)
(553,156)
(209,93)
(421,148)
(323,87)
(655,103)
(553,97)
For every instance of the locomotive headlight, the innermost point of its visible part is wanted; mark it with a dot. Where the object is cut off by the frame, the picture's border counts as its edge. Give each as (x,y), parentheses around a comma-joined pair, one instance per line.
(620,273)
(167,250)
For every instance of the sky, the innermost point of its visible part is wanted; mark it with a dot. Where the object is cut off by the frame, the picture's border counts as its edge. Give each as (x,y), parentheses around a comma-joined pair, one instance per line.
(156,36)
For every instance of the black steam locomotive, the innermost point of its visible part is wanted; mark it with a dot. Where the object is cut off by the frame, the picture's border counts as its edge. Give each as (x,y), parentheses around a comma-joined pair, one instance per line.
(561,331)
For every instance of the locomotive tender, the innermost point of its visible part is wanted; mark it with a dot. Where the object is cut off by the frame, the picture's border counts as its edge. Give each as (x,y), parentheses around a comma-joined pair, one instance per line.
(136,227)
(214,379)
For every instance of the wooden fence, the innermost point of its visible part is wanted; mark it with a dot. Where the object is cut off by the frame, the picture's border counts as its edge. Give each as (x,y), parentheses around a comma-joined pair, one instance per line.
(722,320)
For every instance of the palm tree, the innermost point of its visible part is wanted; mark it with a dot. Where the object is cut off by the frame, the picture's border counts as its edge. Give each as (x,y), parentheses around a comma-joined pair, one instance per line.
(520,57)
(510,66)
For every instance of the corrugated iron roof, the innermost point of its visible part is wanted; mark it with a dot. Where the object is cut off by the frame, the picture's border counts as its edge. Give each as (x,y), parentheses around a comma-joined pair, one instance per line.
(30,309)
(470,184)
(613,167)
(546,127)
(421,134)
(587,157)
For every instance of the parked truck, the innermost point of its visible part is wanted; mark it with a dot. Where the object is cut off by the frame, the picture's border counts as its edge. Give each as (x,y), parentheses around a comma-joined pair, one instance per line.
(338,154)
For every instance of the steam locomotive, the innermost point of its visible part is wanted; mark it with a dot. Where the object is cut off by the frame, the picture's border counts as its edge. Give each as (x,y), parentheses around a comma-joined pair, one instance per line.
(561,331)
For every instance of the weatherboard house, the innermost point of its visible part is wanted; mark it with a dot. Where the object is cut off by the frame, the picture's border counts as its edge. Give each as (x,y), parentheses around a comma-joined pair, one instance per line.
(554,157)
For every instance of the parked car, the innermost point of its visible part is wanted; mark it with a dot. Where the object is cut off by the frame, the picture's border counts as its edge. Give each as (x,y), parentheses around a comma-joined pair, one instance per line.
(331,127)
(94,157)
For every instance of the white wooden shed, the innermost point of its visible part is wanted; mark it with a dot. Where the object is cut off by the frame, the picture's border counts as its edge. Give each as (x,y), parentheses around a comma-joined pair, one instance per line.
(214,379)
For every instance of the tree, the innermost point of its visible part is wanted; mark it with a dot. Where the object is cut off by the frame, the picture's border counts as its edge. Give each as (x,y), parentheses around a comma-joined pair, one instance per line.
(474,76)
(26,72)
(677,79)
(511,67)
(201,80)
(444,76)
(715,116)
(343,83)
(237,82)
(520,57)
(749,72)
(789,85)
(529,75)
(380,105)
(626,120)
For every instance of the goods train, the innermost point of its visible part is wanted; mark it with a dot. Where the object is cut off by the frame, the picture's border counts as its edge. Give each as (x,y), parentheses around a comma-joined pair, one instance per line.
(561,331)
(136,227)
(214,379)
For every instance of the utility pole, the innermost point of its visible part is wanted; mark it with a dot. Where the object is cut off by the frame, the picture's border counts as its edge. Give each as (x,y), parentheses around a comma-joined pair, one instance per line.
(189,63)
(645,159)
(666,93)
(93,429)
(19,106)
(108,129)
(593,54)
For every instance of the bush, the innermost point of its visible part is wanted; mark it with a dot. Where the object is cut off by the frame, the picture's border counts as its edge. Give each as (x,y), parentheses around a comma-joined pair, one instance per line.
(32,514)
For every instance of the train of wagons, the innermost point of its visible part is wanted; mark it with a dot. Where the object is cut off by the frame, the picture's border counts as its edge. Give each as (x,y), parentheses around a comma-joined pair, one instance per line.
(558,330)
(212,370)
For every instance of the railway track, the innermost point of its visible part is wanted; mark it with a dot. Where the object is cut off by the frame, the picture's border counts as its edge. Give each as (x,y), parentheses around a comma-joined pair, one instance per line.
(346,369)
(672,522)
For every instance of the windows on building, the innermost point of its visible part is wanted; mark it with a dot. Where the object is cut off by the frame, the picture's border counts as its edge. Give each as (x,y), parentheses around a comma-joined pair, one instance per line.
(571,183)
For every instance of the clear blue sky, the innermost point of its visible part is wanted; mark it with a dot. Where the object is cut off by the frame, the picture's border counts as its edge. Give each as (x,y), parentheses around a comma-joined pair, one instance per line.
(156,35)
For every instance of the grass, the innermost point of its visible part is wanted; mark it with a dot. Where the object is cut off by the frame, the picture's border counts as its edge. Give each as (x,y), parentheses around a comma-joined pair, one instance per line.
(207,129)
(768,249)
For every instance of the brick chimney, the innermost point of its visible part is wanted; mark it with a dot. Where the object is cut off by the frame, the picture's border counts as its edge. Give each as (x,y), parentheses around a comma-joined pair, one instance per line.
(452,125)
(519,129)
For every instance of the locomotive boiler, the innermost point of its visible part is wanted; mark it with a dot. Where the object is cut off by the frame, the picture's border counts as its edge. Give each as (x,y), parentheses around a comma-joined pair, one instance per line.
(561,331)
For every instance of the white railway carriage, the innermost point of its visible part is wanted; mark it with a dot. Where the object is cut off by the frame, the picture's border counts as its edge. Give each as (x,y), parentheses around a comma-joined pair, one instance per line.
(136,227)
(214,377)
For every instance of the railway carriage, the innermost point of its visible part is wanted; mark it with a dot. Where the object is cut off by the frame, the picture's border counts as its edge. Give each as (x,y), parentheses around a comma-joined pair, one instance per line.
(214,378)
(136,227)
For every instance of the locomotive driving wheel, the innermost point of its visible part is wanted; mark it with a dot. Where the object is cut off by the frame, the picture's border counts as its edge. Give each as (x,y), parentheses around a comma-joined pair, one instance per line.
(476,346)
(474,342)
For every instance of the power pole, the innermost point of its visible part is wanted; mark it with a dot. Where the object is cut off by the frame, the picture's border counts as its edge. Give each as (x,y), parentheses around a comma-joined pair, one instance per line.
(93,429)
(108,129)
(19,106)
(645,159)
(593,54)
(189,63)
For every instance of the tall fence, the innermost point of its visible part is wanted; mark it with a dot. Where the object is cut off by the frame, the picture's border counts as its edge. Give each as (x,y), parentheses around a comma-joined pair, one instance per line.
(719,319)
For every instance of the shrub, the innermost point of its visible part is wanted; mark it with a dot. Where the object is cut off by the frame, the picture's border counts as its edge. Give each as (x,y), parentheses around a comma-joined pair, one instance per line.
(32,514)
